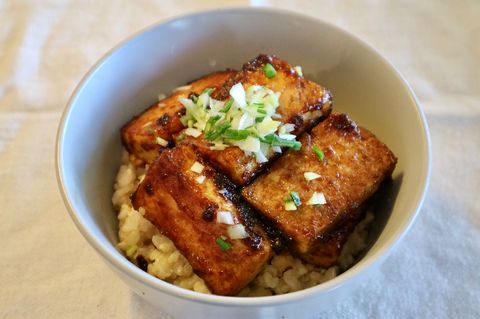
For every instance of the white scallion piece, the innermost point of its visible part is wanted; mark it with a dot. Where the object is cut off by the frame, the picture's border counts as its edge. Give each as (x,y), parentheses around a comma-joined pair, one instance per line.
(298,69)
(260,157)
(225,217)
(193,132)
(251,144)
(317,199)
(290,205)
(238,93)
(277,149)
(182,88)
(289,127)
(197,167)
(200,179)
(237,232)
(160,141)
(310,176)
(289,137)
(218,146)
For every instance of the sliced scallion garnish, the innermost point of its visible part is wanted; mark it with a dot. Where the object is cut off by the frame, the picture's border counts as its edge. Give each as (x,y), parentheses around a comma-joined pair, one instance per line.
(295,198)
(319,152)
(236,134)
(217,131)
(223,244)
(274,140)
(269,70)
(248,119)
(211,121)
(208,91)
(227,106)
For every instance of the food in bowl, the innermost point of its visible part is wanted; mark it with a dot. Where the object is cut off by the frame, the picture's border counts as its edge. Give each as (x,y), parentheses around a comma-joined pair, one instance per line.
(233,175)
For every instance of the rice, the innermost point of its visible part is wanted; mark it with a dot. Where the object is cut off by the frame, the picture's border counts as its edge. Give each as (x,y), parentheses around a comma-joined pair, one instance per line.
(142,243)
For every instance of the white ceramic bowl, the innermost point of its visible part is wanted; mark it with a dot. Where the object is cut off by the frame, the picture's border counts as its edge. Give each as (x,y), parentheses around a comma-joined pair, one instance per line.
(129,78)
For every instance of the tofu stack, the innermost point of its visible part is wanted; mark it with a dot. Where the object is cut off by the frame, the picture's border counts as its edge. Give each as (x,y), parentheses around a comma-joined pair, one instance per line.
(215,204)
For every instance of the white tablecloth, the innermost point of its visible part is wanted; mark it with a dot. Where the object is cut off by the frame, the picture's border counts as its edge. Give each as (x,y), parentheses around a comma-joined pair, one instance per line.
(47,270)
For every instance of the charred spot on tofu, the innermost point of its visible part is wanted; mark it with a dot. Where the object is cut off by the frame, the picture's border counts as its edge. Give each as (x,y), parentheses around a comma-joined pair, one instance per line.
(355,163)
(187,212)
(162,120)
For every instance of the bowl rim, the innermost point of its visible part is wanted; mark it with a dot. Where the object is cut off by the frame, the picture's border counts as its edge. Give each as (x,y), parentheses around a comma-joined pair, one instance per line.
(130,270)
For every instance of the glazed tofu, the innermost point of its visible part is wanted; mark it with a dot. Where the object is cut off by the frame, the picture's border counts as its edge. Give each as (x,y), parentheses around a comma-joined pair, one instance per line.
(355,162)
(145,135)
(302,103)
(196,208)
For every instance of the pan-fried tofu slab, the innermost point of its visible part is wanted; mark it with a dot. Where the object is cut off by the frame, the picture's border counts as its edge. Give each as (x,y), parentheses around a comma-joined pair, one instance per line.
(302,103)
(198,210)
(145,135)
(347,162)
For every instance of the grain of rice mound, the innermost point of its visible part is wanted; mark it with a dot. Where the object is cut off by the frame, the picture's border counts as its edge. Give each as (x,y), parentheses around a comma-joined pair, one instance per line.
(143,244)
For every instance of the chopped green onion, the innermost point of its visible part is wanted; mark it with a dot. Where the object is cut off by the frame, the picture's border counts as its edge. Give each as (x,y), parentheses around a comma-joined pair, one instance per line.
(217,131)
(259,105)
(274,140)
(259,119)
(269,70)
(262,111)
(194,98)
(236,134)
(227,106)
(319,152)
(211,121)
(295,198)
(223,244)
(208,91)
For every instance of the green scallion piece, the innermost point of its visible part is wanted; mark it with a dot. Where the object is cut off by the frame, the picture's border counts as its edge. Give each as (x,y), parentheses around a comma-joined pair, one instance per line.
(208,91)
(319,152)
(235,134)
(275,140)
(217,131)
(194,98)
(269,70)
(227,106)
(261,111)
(223,244)
(295,198)
(211,121)
(259,119)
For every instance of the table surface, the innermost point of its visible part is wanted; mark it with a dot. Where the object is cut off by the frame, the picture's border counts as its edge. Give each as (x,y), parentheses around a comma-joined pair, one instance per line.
(49,271)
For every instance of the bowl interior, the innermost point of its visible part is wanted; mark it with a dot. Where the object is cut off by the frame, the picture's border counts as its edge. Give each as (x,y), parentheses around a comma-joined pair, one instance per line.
(129,78)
